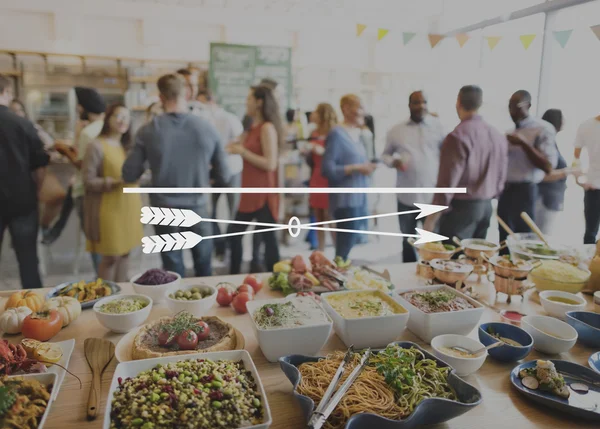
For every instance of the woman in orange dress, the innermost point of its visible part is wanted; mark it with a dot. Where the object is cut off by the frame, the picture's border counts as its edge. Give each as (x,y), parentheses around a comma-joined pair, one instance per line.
(260,152)
(325,119)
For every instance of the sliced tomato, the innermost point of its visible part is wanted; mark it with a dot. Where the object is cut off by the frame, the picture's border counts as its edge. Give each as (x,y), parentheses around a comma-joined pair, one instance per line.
(224,296)
(239,302)
(163,338)
(203,330)
(187,340)
(253,281)
(245,289)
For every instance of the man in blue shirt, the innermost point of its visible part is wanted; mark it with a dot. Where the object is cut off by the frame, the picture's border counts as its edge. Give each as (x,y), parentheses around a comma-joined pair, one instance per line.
(532,154)
(413,149)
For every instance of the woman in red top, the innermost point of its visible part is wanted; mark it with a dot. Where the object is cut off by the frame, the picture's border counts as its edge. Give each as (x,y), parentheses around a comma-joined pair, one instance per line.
(260,152)
(325,118)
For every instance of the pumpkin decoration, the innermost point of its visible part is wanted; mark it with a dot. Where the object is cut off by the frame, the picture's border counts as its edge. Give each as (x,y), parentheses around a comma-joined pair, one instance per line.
(69,308)
(12,319)
(25,298)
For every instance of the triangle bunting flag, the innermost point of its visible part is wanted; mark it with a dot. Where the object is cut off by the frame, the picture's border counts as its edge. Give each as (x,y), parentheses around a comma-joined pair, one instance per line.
(359,29)
(381,33)
(462,39)
(434,39)
(596,30)
(493,41)
(526,40)
(407,37)
(562,37)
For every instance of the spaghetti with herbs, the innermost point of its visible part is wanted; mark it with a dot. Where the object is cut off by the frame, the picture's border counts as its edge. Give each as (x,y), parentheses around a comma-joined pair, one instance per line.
(393,383)
(22,403)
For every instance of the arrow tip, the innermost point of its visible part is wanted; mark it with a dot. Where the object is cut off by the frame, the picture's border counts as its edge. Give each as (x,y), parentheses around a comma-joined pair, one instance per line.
(429,209)
(428,237)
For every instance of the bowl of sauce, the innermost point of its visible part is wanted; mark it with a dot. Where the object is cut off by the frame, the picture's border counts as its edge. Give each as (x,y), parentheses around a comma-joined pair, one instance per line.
(512,317)
(517,342)
(557,303)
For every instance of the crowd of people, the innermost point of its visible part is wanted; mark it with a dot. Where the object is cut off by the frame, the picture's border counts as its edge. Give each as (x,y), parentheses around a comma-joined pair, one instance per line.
(189,141)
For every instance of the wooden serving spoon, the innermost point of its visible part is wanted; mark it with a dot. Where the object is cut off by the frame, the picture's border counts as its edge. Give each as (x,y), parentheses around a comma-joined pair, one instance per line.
(98,353)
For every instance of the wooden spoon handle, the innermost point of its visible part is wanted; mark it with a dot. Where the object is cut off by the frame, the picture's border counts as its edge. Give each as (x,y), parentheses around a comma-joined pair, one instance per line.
(531,224)
(94,399)
(505,226)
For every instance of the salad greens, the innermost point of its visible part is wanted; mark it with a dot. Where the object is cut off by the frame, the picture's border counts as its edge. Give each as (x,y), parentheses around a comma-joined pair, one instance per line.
(279,281)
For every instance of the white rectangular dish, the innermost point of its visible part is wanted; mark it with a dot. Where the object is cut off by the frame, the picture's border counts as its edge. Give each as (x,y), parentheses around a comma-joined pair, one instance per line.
(279,342)
(429,325)
(46,379)
(133,368)
(364,332)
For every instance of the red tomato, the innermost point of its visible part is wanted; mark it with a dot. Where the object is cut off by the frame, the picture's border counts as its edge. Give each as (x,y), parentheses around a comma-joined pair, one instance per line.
(245,289)
(253,281)
(163,338)
(239,302)
(224,296)
(187,340)
(42,326)
(203,330)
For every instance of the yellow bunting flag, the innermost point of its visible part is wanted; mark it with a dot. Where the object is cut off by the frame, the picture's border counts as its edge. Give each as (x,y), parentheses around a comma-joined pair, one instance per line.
(596,30)
(359,29)
(493,41)
(526,40)
(381,33)
(462,38)
(434,39)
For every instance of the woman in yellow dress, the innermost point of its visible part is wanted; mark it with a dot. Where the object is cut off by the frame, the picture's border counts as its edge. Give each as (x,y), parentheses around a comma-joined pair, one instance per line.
(112,219)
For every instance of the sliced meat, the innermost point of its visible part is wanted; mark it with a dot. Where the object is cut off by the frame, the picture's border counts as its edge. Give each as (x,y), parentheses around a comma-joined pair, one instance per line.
(317,258)
(299,281)
(298,264)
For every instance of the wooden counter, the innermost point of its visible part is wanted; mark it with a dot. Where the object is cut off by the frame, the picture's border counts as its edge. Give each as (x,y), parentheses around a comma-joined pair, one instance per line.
(502,406)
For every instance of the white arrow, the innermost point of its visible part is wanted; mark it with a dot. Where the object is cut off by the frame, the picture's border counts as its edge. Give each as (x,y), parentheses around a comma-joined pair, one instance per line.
(169,217)
(429,209)
(428,237)
(168,242)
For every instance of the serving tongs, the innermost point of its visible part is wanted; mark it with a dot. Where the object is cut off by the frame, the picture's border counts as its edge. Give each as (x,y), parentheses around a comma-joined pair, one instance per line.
(330,399)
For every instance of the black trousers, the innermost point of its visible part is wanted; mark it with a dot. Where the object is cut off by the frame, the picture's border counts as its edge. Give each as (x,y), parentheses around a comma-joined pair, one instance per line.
(517,198)
(24,233)
(408,223)
(466,219)
(591,204)
(270,239)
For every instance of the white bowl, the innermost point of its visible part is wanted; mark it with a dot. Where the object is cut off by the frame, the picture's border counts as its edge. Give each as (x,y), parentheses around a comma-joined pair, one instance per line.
(122,323)
(279,342)
(558,309)
(199,307)
(46,379)
(367,331)
(429,325)
(158,293)
(462,365)
(133,368)
(540,327)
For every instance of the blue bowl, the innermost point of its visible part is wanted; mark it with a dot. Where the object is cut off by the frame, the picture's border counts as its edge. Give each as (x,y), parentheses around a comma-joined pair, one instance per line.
(428,412)
(594,362)
(587,325)
(506,353)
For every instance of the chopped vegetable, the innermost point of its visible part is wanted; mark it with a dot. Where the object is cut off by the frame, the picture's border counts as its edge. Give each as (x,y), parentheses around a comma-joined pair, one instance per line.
(123,306)
(156,276)
(280,282)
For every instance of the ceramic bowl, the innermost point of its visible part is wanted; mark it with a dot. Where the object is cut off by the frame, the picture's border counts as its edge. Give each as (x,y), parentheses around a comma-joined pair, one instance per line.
(543,283)
(198,307)
(512,317)
(158,293)
(550,335)
(122,323)
(587,325)
(558,309)
(462,365)
(507,352)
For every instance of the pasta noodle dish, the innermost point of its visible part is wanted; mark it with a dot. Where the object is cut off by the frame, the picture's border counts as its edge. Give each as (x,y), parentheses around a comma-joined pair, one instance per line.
(438,301)
(22,403)
(391,385)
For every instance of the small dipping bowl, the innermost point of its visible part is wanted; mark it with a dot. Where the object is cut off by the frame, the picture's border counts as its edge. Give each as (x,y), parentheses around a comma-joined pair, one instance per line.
(587,325)
(507,352)
(512,317)
(462,365)
(550,335)
(559,309)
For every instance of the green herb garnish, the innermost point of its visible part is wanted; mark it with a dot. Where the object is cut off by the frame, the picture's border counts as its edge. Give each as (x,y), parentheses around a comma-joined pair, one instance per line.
(8,398)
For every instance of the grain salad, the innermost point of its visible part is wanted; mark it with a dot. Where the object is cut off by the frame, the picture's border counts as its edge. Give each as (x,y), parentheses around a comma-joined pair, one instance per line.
(188,394)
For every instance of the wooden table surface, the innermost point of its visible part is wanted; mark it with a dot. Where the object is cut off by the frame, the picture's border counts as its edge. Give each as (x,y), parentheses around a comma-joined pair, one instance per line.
(502,406)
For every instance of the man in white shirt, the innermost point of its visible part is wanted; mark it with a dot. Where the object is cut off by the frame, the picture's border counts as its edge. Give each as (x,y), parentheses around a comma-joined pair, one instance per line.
(413,149)
(230,128)
(588,137)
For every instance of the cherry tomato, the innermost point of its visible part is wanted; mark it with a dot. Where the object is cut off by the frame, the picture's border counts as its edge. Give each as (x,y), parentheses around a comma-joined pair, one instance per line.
(163,338)
(224,296)
(239,302)
(203,330)
(253,281)
(42,326)
(245,289)
(187,340)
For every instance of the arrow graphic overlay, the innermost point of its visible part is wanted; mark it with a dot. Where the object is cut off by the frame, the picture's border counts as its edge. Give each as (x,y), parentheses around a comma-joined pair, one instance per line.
(170,217)
(168,242)
(294,190)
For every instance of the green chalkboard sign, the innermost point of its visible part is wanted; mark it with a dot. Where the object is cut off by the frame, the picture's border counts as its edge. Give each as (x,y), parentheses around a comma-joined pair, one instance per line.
(235,68)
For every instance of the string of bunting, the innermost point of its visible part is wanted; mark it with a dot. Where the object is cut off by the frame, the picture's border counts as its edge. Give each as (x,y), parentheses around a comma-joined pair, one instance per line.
(562,37)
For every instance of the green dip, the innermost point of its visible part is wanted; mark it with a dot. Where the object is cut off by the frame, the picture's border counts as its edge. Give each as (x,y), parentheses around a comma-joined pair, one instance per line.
(122,306)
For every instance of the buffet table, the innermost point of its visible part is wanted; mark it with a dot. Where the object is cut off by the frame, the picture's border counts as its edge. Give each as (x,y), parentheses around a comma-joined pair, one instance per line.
(502,406)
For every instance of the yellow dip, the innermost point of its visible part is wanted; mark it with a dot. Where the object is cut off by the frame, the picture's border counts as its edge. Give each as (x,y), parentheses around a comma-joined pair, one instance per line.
(355,305)
(562,300)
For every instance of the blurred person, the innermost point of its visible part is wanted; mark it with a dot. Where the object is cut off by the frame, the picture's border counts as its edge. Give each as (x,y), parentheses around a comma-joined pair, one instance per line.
(260,152)
(153,110)
(325,119)
(473,156)
(180,148)
(112,224)
(413,149)
(588,137)
(18,108)
(532,154)
(23,162)
(345,165)
(191,85)
(230,129)
(90,107)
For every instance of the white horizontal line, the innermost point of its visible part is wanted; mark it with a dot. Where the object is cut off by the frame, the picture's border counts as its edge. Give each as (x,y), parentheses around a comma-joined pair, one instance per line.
(295,190)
